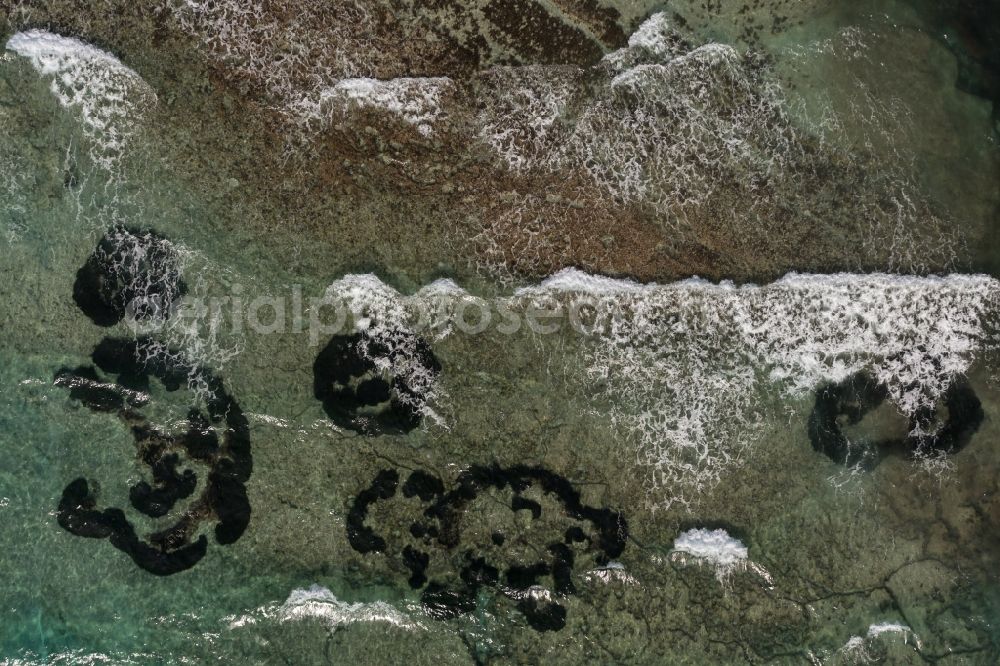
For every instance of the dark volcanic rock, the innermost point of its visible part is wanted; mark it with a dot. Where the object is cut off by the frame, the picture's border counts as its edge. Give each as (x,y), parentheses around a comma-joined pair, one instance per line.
(847,403)
(440,531)
(228,459)
(130,271)
(357,395)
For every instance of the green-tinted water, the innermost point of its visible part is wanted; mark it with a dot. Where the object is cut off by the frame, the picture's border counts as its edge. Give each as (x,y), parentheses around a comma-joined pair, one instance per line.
(668,411)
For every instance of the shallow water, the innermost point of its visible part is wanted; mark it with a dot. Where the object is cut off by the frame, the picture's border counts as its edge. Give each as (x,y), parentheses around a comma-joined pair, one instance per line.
(567,469)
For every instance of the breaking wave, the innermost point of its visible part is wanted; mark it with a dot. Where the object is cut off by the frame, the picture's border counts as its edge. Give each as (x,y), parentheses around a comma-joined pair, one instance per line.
(417,101)
(684,366)
(704,130)
(667,124)
(319,604)
(108,96)
(312,62)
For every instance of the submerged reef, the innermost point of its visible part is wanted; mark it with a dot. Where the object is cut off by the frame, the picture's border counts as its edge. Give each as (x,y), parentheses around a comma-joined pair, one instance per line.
(131,272)
(223,499)
(354,377)
(848,402)
(160,555)
(565,531)
(137,272)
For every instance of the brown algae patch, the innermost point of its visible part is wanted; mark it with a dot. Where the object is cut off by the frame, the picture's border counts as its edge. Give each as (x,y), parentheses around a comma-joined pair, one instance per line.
(417,138)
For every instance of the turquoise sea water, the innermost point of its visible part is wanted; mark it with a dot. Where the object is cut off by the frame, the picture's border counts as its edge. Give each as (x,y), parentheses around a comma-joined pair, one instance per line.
(651,475)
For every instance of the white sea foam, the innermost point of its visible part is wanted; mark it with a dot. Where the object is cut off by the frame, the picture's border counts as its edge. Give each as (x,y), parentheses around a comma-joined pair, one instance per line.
(713,546)
(315,62)
(892,628)
(658,124)
(612,572)
(82,657)
(523,107)
(535,592)
(863,649)
(416,100)
(661,121)
(108,95)
(654,41)
(370,301)
(654,34)
(679,128)
(318,603)
(268,420)
(717,549)
(190,332)
(387,318)
(441,287)
(516,236)
(683,365)
(292,51)
(575,280)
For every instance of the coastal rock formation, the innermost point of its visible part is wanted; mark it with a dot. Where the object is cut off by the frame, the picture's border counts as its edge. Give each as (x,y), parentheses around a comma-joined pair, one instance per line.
(516,564)
(130,272)
(945,428)
(355,377)
(217,438)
